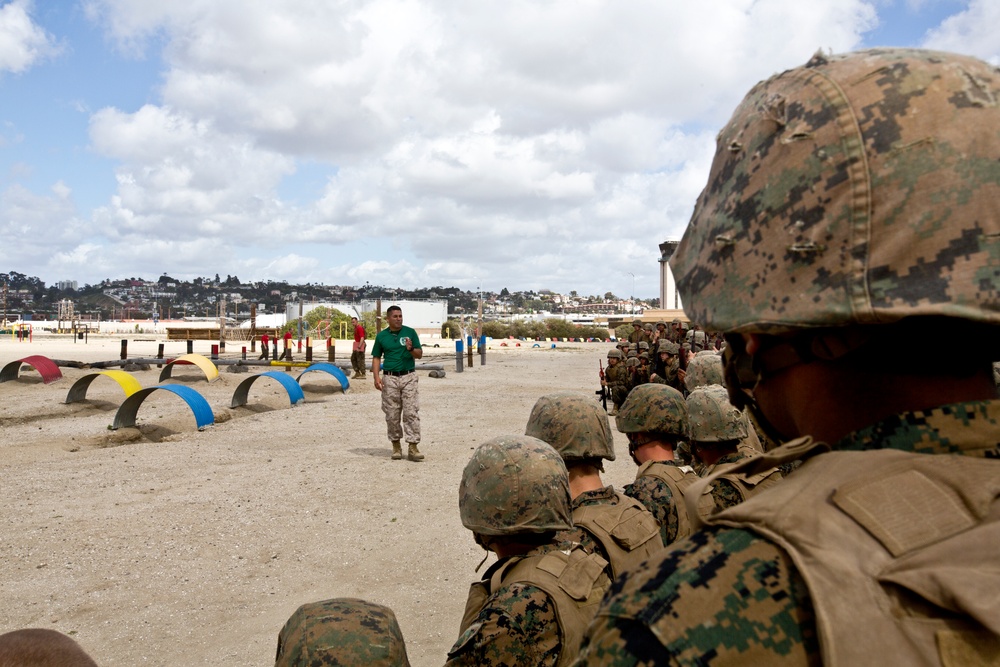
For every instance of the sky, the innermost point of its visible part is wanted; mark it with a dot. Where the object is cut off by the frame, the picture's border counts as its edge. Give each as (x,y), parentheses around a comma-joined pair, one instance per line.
(542,144)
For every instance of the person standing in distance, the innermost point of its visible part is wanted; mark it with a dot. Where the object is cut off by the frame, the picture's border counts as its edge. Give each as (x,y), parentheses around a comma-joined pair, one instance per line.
(358,350)
(400,345)
(264,341)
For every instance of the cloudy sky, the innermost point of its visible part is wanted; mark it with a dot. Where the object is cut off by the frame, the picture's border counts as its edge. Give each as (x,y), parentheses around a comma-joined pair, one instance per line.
(521,144)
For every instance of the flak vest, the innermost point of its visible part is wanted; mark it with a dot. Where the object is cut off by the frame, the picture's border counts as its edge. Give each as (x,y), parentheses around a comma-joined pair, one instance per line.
(898,550)
(679,479)
(574,580)
(627,531)
(746,484)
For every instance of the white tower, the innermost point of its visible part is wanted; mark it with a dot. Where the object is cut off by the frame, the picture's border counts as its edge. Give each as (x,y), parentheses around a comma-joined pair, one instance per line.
(669,297)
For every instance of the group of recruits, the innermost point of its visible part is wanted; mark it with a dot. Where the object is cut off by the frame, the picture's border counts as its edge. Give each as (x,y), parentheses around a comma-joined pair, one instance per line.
(652,354)
(851,212)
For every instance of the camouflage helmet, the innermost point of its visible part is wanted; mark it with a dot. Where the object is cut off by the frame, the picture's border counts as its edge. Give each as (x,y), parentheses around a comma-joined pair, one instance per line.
(704,369)
(514,484)
(637,322)
(647,326)
(661,323)
(341,631)
(644,356)
(615,354)
(668,346)
(713,417)
(654,408)
(856,189)
(643,345)
(575,425)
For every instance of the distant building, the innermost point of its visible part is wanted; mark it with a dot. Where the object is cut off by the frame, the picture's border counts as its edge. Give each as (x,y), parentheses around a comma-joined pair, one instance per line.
(64,285)
(427,316)
(670,298)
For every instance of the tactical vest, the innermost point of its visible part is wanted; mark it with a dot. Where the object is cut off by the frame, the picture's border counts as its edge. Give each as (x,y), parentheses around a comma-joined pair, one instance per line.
(678,479)
(898,551)
(617,375)
(576,582)
(745,484)
(627,531)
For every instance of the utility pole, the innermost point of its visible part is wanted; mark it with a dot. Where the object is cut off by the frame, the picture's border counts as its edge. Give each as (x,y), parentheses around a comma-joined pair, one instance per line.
(479,327)
(631,299)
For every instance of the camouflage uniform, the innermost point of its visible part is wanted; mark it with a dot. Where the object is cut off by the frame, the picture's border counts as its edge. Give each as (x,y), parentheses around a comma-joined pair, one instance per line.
(341,631)
(401,405)
(717,423)
(676,331)
(638,334)
(617,528)
(616,376)
(659,334)
(668,374)
(673,611)
(865,185)
(659,485)
(641,374)
(631,369)
(529,609)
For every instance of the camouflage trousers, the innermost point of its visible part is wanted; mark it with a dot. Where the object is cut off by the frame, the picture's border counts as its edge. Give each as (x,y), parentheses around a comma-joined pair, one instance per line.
(358,362)
(618,393)
(401,405)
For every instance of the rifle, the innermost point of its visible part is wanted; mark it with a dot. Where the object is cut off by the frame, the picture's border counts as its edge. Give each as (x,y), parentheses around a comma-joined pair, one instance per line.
(682,355)
(603,391)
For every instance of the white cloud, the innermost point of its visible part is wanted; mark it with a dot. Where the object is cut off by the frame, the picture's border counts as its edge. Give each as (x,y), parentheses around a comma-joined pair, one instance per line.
(532,144)
(22,42)
(34,227)
(179,177)
(972,31)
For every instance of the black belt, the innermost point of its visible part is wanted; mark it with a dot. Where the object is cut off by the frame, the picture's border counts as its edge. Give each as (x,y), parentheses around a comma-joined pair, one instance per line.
(397,373)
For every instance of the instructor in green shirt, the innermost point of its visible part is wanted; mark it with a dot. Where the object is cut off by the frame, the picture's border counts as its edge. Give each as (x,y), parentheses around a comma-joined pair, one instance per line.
(397,381)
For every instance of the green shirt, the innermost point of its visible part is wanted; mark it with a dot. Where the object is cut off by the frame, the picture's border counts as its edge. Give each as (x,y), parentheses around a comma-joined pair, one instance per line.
(391,347)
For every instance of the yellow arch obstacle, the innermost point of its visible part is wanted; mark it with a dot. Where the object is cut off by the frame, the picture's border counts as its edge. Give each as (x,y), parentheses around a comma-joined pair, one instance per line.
(78,392)
(210,370)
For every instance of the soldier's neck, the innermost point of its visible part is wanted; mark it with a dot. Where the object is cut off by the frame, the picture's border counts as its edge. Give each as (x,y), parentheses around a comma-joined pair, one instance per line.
(583,478)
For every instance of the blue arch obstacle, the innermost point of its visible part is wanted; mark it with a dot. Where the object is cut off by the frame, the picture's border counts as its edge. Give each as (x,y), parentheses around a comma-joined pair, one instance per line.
(295,393)
(332,370)
(128,383)
(199,406)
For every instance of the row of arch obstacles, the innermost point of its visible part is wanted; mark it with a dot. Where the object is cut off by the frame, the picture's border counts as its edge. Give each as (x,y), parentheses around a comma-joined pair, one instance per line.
(135,394)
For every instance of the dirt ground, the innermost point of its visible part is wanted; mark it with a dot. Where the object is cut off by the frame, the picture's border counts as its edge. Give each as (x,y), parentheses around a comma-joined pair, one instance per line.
(165,545)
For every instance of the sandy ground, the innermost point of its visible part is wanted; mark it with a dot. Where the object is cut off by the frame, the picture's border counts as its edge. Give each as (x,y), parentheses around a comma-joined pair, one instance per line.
(163,545)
